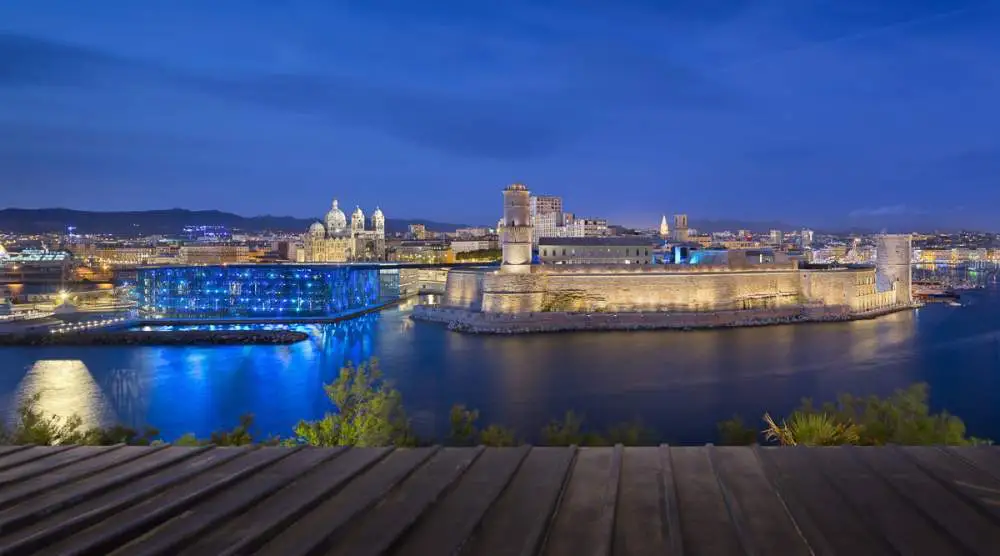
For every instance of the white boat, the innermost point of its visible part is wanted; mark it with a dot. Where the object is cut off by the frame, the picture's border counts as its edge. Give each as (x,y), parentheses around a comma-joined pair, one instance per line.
(954,304)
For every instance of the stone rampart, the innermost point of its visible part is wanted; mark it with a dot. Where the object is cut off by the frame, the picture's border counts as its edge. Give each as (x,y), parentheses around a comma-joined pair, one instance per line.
(501,323)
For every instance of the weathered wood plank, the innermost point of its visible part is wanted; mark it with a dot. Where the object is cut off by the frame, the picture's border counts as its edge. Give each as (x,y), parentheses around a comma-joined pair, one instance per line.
(184,529)
(640,519)
(247,532)
(61,477)
(986,458)
(33,453)
(102,537)
(706,527)
(761,520)
(376,532)
(965,525)
(49,464)
(829,524)
(451,522)
(976,486)
(884,509)
(585,521)
(517,522)
(314,531)
(36,523)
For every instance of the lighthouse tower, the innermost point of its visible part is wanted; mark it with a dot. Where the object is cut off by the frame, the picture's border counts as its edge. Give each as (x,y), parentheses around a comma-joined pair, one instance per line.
(517,229)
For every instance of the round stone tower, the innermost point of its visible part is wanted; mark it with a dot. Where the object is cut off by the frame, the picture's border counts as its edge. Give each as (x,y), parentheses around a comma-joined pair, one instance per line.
(892,265)
(517,229)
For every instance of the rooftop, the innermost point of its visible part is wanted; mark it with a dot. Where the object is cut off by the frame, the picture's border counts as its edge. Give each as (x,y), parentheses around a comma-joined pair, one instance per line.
(430,501)
(612,241)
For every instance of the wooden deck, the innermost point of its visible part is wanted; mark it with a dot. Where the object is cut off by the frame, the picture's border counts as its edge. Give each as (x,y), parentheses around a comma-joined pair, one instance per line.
(495,501)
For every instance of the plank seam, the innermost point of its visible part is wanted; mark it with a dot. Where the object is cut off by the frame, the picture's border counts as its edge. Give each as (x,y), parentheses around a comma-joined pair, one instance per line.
(771,475)
(976,504)
(671,519)
(732,505)
(553,511)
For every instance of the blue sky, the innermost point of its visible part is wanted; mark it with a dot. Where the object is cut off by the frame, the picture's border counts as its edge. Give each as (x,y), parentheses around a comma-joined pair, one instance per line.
(819,112)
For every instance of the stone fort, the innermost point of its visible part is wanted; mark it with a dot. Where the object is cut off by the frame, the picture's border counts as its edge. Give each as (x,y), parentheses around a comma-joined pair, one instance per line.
(519,287)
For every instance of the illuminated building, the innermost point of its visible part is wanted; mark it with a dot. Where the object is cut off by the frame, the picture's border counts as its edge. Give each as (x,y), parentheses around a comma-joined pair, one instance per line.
(777,237)
(768,286)
(421,251)
(417,231)
(597,250)
(517,228)
(546,204)
(664,228)
(893,264)
(480,244)
(332,241)
(806,238)
(214,253)
(263,291)
(680,228)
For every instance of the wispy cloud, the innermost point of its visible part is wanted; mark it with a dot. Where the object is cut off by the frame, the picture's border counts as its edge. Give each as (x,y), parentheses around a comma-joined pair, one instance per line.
(889,210)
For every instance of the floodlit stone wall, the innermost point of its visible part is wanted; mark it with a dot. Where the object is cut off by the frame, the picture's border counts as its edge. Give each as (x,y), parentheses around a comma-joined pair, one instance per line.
(615,289)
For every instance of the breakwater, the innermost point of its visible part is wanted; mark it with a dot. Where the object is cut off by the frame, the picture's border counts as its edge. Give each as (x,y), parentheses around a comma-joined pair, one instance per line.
(461,320)
(156,338)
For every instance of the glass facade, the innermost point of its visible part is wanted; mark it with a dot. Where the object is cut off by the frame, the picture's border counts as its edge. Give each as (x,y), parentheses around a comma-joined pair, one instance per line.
(262,291)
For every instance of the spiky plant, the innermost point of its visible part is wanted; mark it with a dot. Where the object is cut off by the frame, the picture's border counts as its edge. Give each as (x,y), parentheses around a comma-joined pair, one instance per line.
(810,429)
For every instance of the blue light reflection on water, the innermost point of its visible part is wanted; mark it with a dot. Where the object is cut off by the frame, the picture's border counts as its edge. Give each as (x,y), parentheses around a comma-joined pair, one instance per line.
(681,383)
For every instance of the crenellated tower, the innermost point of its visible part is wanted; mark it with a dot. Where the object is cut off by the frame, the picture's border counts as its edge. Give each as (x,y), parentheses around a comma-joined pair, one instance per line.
(517,229)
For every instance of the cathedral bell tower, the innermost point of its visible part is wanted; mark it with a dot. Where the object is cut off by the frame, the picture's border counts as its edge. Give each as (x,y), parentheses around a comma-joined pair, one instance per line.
(517,229)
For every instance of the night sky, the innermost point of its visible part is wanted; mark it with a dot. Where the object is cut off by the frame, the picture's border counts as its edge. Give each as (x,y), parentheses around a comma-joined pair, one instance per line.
(816,112)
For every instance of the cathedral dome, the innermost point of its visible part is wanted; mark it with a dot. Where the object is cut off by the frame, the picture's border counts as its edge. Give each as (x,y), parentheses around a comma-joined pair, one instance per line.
(317,229)
(358,212)
(335,219)
(378,213)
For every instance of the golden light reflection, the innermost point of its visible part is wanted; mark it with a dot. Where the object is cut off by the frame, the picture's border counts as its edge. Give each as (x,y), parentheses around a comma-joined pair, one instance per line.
(67,388)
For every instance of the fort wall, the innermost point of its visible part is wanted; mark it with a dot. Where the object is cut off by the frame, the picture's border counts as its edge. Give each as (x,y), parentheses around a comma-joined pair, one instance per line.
(650,289)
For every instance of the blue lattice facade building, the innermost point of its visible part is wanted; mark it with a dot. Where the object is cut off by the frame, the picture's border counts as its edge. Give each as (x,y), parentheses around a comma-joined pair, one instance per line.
(263,291)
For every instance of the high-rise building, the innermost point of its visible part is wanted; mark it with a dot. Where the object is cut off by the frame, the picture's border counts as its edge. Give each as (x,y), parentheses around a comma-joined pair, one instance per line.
(516,232)
(777,237)
(417,231)
(664,229)
(546,204)
(594,227)
(806,237)
(680,227)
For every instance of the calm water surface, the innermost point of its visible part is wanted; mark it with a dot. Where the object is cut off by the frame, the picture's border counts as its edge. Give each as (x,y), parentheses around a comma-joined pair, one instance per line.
(681,383)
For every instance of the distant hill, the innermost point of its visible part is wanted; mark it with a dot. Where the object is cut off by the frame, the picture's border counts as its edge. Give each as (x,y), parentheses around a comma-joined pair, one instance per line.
(734,225)
(153,222)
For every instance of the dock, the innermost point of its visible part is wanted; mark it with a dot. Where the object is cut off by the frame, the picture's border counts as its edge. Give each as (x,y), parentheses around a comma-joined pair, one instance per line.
(429,501)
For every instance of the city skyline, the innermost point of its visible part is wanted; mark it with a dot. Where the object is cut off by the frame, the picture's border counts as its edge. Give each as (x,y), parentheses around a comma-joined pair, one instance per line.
(820,114)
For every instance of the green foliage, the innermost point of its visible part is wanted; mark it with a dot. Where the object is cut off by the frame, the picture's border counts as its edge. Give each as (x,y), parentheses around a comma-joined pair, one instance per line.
(32,426)
(903,418)
(240,435)
(465,433)
(733,432)
(810,429)
(570,431)
(463,426)
(497,437)
(369,412)
(119,434)
(479,255)
(631,433)
(189,439)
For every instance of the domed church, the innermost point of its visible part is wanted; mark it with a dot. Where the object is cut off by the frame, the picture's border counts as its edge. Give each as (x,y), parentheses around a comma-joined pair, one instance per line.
(332,241)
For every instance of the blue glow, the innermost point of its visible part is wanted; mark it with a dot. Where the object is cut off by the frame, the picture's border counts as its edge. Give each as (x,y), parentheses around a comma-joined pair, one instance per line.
(261,291)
